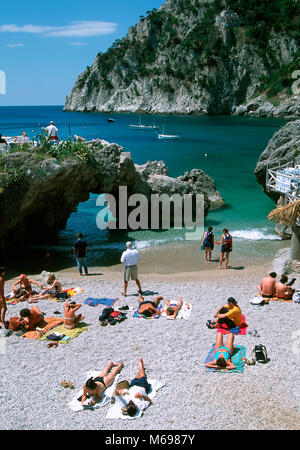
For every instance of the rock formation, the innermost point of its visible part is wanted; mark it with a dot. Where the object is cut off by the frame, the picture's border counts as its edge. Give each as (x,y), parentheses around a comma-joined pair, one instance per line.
(38,193)
(196,56)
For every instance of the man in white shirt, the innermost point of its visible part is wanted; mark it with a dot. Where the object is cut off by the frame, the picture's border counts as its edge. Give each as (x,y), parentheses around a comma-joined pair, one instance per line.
(130,259)
(136,397)
(52,131)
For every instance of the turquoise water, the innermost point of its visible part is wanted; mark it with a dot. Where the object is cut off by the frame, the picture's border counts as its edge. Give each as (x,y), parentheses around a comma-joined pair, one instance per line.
(226,148)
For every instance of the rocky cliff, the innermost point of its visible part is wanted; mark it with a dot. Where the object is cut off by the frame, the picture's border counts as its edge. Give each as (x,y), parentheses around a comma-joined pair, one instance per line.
(39,190)
(197,56)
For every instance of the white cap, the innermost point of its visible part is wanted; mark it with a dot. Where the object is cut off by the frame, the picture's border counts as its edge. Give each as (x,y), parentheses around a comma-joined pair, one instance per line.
(128,244)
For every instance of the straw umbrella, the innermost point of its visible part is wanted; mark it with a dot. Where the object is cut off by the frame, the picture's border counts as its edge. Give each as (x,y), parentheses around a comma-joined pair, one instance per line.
(290,214)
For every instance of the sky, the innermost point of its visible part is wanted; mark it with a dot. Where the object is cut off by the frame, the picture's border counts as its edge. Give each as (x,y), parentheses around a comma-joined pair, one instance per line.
(45,46)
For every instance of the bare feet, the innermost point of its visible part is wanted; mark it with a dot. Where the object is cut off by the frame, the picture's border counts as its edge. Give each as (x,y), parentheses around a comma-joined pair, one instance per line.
(124,294)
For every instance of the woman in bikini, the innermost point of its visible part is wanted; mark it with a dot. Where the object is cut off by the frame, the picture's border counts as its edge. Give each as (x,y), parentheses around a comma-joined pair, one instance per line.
(50,292)
(94,387)
(223,353)
(71,320)
(25,289)
(172,309)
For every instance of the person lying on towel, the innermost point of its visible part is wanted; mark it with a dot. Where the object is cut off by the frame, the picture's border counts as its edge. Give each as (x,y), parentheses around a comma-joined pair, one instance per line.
(94,387)
(136,396)
(172,308)
(223,353)
(147,307)
(28,319)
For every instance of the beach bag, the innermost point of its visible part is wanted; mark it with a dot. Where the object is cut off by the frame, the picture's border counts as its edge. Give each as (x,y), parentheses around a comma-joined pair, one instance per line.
(260,353)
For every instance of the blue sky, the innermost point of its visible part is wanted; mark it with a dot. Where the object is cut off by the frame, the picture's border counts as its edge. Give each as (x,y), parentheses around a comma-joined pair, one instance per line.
(45,46)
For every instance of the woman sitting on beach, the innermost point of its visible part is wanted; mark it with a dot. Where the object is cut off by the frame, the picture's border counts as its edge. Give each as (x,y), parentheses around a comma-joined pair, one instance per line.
(51,291)
(94,387)
(71,320)
(25,290)
(226,247)
(147,307)
(172,309)
(223,353)
(283,290)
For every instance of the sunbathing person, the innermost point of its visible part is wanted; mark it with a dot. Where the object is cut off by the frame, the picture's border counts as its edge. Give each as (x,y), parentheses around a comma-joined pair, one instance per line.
(283,291)
(71,319)
(96,386)
(172,309)
(230,315)
(29,319)
(266,288)
(136,396)
(51,291)
(147,307)
(25,290)
(223,353)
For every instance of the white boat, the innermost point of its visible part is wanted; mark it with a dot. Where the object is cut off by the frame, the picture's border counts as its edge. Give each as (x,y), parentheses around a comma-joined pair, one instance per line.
(144,127)
(167,136)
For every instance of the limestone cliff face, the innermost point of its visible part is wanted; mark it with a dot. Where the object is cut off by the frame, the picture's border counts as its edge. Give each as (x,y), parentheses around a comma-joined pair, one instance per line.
(191,56)
(37,196)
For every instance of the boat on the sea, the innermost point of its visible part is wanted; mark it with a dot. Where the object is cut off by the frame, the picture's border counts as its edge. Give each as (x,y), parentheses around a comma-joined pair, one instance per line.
(168,136)
(110,120)
(140,126)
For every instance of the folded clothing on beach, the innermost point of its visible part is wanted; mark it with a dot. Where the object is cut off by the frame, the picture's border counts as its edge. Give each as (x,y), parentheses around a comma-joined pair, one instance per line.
(75,404)
(241,330)
(68,334)
(239,352)
(109,302)
(115,412)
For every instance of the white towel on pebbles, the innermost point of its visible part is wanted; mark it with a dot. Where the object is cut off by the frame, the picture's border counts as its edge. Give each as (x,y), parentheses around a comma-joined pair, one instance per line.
(75,405)
(115,411)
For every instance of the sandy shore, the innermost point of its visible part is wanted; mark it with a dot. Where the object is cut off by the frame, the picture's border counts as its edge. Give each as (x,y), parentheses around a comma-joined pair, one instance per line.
(263,397)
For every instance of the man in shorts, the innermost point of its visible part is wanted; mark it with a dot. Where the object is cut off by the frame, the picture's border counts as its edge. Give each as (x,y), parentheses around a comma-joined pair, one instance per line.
(130,259)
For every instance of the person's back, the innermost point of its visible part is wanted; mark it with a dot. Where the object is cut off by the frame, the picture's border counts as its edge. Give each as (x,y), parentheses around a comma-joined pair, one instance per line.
(283,291)
(130,257)
(267,285)
(80,246)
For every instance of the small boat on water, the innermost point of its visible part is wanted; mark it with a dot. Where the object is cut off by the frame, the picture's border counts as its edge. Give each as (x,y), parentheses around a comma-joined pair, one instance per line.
(110,120)
(144,127)
(168,136)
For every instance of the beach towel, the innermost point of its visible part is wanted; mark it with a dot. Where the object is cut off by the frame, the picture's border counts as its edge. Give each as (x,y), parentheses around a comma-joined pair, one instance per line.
(184,313)
(75,404)
(258,300)
(141,316)
(109,302)
(115,411)
(69,333)
(71,292)
(275,299)
(51,322)
(239,352)
(241,330)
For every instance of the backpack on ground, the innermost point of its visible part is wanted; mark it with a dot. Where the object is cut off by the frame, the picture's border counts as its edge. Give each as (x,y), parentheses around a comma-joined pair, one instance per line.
(260,353)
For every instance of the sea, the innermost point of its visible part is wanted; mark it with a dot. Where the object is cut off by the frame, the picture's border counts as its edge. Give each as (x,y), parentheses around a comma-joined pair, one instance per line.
(225,147)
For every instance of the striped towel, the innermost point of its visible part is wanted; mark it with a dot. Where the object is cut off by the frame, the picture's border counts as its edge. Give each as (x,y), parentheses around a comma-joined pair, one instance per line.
(239,352)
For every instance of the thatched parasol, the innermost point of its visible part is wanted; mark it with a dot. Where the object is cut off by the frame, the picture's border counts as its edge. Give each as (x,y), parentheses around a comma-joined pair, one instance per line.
(288,214)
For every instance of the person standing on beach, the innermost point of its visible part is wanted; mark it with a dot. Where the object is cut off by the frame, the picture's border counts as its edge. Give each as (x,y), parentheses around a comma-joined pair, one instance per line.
(52,131)
(80,252)
(130,259)
(3,306)
(208,243)
(226,247)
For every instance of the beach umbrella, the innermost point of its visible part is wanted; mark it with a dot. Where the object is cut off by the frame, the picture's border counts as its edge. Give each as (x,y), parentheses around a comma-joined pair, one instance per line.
(289,215)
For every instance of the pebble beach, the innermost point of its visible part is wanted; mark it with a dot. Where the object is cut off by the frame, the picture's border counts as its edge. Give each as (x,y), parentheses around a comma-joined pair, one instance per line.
(264,396)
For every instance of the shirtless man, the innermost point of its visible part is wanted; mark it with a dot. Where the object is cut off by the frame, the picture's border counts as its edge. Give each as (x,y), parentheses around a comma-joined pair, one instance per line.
(3,306)
(266,288)
(29,319)
(283,291)
(172,309)
(96,386)
(71,320)
(147,307)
